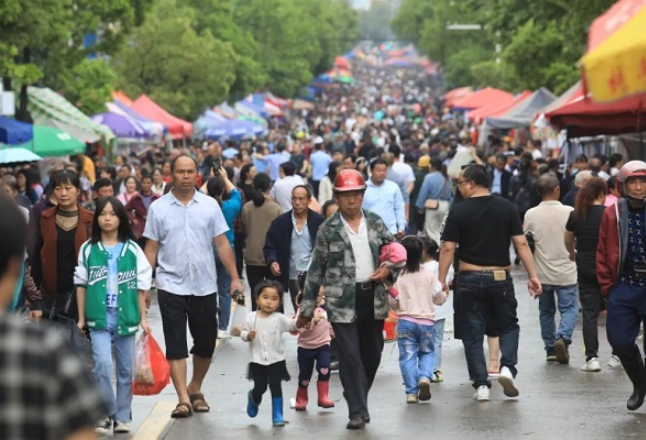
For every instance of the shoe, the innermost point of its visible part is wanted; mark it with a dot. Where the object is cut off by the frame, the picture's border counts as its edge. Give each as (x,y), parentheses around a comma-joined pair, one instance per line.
(356,423)
(637,374)
(323,388)
(301,399)
(104,426)
(122,427)
(562,352)
(482,394)
(411,398)
(614,362)
(277,411)
(592,366)
(334,366)
(223,334)
(551,356)
(437,377)
(506,380)
(424,392)
(252,407)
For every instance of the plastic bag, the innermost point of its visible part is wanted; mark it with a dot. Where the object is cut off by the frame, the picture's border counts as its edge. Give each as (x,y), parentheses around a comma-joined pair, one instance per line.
(238,319)
(152,372)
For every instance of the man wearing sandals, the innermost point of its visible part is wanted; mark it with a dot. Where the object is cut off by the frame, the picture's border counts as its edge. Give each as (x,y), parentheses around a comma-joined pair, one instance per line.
(181,229)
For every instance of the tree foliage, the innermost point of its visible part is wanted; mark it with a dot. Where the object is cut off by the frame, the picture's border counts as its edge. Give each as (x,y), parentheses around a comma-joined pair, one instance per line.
(89,85)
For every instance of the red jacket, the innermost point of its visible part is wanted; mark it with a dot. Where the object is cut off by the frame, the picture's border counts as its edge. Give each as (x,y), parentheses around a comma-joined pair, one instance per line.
(138,213)
(611,250)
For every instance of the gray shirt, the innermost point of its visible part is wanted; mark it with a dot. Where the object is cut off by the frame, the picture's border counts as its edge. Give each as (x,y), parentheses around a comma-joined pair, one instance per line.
(401,180)
(301,251)
(185,235)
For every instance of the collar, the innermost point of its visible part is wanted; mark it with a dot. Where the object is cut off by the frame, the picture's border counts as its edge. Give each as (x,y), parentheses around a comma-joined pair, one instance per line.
(550,203)
(176,201)
(345,222)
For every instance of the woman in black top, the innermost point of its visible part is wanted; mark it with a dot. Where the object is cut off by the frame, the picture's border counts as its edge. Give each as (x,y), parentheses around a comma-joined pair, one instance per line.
(583,225)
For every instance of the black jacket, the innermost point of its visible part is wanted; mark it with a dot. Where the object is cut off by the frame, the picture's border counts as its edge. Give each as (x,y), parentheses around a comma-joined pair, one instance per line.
(504,182)
(278,242)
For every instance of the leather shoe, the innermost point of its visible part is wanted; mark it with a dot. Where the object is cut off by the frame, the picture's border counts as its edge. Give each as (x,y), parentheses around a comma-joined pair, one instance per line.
(356,423)
(366,419)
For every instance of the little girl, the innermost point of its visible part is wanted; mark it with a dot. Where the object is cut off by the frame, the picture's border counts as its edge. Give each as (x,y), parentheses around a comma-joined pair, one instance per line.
(263,330)
(430,262)
(419,291)
(111,278)
(314,345)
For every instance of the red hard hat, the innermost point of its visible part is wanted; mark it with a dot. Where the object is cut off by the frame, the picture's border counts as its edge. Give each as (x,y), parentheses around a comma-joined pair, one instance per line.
(634,168)
(349,180)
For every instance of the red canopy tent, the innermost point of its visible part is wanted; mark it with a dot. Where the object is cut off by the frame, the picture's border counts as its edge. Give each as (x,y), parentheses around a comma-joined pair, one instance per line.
(151,110)
(482,98)
(456,94)
(584,117)
(497,109)
(343,63)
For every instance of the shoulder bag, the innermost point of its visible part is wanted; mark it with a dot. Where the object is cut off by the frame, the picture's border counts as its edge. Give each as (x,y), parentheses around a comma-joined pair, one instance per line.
(433,204)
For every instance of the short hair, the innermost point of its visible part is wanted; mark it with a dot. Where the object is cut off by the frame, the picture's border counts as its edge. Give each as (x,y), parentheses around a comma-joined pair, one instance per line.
(477,174)
(582,177)
(436,163)
(269,284)
(581,158)
(145,176)
(614,159)
(289,168)
(376,162)
(172,163)
(501,156)
(65,176)
(102,183)
(306,188)
(395,150)
(547,183)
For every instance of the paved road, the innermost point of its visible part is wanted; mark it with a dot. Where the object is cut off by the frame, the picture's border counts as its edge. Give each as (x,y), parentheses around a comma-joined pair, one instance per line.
(555,401)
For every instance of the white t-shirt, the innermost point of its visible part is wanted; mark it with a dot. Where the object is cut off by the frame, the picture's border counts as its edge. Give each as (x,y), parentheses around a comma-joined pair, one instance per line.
(365,265)
(404,169)
(445,311)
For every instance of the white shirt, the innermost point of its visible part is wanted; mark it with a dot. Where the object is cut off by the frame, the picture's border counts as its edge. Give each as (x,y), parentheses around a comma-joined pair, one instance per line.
(404,169)
(536,154)
(267,346)
(282,191)
(364,263)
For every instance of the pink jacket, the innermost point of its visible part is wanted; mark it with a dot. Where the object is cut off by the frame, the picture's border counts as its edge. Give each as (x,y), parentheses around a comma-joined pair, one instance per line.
(392,255)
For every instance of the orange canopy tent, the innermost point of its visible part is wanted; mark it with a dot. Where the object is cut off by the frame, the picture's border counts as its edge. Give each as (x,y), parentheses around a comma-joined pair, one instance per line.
(456,94)
(151,110)
(482,98)
(342,62)
(122,97)
(498,108)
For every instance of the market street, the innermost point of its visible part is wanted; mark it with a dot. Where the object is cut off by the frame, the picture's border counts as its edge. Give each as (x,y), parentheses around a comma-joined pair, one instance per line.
(555,401)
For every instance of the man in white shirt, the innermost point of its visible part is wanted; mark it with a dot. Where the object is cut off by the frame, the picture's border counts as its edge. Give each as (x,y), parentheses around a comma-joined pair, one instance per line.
(281,192)
(556,271)
(384,198)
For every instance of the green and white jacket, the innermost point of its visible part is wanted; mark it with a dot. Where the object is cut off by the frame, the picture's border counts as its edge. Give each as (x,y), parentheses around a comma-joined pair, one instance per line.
(135,274)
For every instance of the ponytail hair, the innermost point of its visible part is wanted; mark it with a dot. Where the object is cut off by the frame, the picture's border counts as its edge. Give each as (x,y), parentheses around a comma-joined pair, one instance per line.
(586,196)
(261,183)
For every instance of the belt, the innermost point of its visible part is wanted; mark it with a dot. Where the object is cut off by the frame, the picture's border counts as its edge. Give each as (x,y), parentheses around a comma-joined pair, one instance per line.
(481,272)
(366,285)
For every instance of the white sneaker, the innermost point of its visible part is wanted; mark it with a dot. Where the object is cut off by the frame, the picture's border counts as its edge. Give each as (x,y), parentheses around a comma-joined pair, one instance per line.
(614,362)
(506,380)
(122,427)
(591,366)
(223,334)
(482,394)
(104,426)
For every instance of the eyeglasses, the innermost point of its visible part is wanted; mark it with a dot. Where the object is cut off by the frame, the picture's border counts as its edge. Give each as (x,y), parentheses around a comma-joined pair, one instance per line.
(460,183)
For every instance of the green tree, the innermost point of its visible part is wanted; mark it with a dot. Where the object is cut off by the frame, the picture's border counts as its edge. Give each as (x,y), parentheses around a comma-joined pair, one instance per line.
(185,72)
(89,85)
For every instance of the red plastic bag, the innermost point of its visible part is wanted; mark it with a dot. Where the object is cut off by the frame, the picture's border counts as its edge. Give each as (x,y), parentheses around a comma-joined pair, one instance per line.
(152,372)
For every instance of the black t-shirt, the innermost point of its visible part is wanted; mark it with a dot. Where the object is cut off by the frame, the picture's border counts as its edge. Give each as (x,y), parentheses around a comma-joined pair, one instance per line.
(65,260)
(483,227)
(586,231)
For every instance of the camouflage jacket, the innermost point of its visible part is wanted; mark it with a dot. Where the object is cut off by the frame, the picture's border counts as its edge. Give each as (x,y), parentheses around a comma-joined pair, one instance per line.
(333,267)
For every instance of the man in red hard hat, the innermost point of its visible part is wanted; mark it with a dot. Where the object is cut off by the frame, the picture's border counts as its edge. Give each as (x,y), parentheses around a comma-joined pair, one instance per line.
(345,261)
(621,271)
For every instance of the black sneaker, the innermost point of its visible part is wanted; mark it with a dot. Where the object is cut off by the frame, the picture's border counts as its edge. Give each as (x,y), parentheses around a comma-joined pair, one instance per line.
(551,356)
(104,426)
(562,352)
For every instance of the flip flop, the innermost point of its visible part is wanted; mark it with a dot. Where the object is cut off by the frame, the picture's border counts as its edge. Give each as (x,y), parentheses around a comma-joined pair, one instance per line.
(199,403)
(179,413)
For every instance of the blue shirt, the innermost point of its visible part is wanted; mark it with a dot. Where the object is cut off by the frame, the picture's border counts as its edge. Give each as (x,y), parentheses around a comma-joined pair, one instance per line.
(273,161)
(320,164)
(401,181)
(434,187)
(387,202)
(230,152)
(301,251)
(185,234)
(496,185)
(231,209)
(261,165)
(112,288)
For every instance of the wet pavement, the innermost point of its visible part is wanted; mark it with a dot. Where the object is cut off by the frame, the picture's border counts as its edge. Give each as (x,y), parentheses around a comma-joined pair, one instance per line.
(556,401)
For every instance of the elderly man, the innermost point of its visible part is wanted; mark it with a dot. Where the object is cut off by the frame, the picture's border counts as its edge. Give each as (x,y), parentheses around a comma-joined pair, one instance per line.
(579,180)
(345,262)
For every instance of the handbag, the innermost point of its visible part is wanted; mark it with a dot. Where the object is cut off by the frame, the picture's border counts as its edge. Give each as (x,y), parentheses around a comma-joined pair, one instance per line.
(433,204)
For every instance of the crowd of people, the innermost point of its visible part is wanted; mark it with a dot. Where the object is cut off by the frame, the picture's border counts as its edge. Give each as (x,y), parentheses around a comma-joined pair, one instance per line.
(316,210)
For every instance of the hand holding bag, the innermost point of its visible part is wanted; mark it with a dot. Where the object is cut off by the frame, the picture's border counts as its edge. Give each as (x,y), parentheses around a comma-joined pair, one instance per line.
(433,204)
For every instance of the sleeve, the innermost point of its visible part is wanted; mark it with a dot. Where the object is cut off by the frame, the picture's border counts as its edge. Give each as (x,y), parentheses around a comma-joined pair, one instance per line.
(400,211)
(452,227)
(151,230)
(81,271)
(423,194)
(604,272)
(315,275)
(403,187)
(288,324)
(34,295)
(439,297)
(144,270)
(219,222)
(248,326)
(515,226)
(234,204)
(36,261)
(571,222)
(270,250)
(411,174)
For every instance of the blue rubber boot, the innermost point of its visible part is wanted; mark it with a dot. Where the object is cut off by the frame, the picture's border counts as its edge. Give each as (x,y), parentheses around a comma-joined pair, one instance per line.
(252,407)
(277,411)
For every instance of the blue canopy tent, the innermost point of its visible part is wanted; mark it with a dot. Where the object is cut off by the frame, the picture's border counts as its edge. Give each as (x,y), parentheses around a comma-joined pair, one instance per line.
(208,119)
(13,132)
(251,109)
(234,129)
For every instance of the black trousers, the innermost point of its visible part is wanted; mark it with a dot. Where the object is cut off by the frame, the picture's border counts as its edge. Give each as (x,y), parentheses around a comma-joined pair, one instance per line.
(238,242)
(359,346)
(256,274)
(315,186)
(591,302)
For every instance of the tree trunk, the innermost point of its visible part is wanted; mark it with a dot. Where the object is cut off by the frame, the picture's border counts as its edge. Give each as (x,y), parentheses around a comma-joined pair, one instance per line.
(22,112)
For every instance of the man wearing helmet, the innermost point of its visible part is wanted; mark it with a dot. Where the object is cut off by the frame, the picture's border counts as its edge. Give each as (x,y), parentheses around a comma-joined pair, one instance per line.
(345,261)
(621,271)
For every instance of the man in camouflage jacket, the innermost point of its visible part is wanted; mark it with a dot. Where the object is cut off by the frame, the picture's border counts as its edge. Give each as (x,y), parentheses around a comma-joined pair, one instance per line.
(345,262)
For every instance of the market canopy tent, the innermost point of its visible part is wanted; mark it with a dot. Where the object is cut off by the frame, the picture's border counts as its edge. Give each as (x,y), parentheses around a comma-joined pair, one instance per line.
(482,98)
(52,142)
(121,126)
(156,129)
(13,132)
(523,113)
(49,108)
(497,108)
(456,94)
(17,156)
(151,110)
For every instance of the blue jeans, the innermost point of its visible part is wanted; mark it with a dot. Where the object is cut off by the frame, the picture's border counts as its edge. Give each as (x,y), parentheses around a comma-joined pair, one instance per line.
(565,298)
(626,313)
(487,304)
(438,337)
(416,353)
(224,294)
(124,347)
